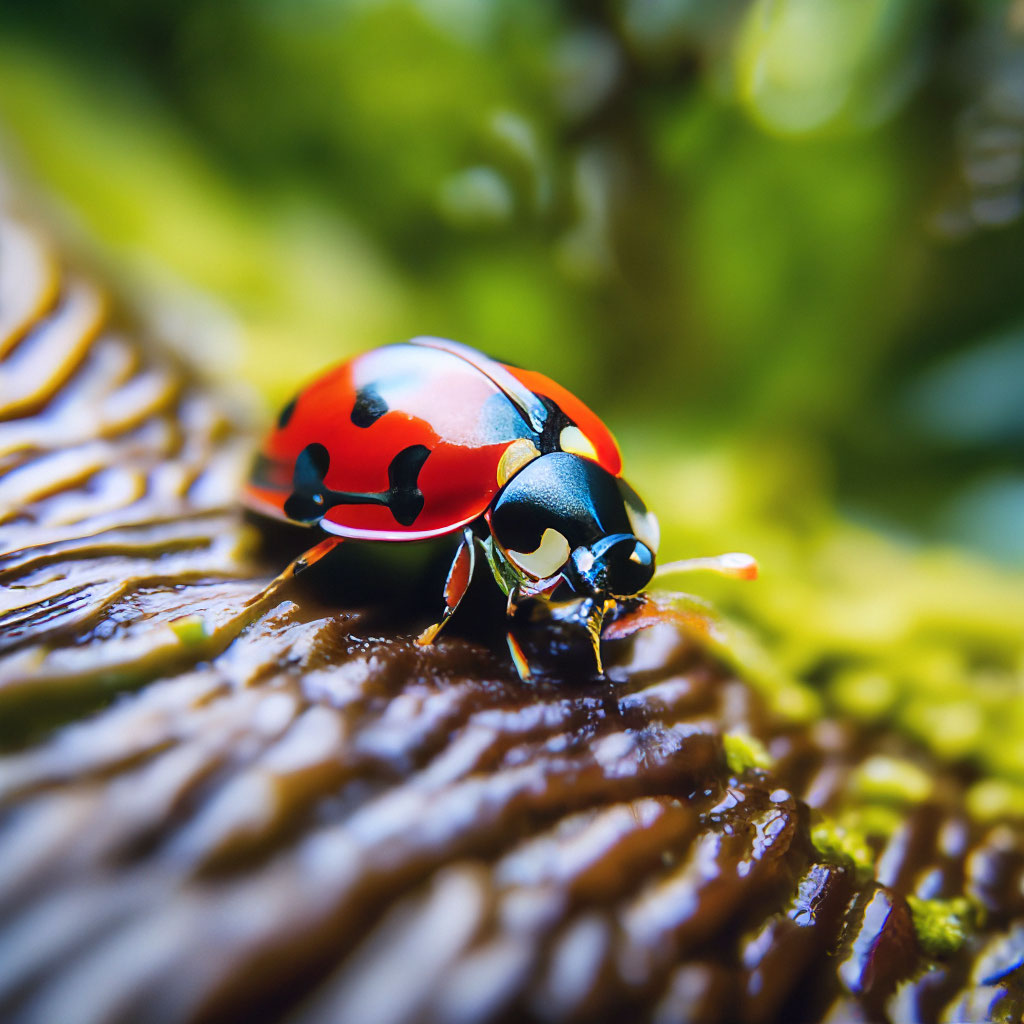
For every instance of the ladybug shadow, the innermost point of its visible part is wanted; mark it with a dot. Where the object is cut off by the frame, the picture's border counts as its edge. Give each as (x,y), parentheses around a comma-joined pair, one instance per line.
(399,587)
(398,590)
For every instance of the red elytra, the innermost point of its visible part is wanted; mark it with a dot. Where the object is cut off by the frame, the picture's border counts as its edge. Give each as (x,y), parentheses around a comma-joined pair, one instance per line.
(447,397)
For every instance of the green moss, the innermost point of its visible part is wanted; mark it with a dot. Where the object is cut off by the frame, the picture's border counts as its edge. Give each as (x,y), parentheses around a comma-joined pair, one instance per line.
(837,842)
(796,703)
(890,780)
(953,729)
(878,821)
(992,799)
(943,926)
(743,752)
(865,694)
(189,629)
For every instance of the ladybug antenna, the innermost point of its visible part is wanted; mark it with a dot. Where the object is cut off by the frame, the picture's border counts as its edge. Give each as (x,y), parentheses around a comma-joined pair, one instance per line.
(735,564)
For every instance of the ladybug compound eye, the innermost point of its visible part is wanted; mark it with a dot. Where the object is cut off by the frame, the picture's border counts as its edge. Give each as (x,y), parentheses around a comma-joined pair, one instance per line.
(551,554)
(573,441)
(619,565)
(518,454)
(629,567)
(641,519)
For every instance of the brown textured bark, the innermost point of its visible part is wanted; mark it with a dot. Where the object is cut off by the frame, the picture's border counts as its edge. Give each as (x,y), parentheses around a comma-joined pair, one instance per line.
(218,807)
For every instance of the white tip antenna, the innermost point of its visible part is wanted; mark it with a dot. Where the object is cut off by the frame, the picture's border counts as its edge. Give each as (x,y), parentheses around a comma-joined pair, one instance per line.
(735,565)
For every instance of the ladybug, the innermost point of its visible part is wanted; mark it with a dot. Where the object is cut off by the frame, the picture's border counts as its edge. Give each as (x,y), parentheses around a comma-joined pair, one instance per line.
(431,437)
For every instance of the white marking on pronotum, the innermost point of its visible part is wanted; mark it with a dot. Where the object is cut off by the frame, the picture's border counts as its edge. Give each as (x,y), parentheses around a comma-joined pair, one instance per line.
(550,556)
(515,456)
(575,442)
(642,521)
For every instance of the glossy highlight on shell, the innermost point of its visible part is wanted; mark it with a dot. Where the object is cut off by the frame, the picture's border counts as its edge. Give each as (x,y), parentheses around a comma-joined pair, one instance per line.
(212,809)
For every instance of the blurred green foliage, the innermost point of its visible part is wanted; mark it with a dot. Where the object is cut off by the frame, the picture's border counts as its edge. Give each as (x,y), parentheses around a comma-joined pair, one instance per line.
(777,243)
(712,219)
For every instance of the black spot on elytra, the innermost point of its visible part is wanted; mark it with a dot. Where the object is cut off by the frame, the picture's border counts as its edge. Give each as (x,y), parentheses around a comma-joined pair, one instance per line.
(405,499)
(307,502)
(286,414)
(311,497)
(370,406)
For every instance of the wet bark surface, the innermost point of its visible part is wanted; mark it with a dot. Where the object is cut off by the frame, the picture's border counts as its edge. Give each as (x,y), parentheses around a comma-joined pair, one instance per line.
(216,805)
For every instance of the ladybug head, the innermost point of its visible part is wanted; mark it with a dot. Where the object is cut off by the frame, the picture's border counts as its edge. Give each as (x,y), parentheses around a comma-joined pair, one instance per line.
(564,515)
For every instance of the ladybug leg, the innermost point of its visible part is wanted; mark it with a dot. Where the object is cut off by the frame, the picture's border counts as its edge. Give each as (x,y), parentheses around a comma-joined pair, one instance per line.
(541,589)
(595,619)
(519,658)
(313,555)
(297,565)
(455,587)
(591,613)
